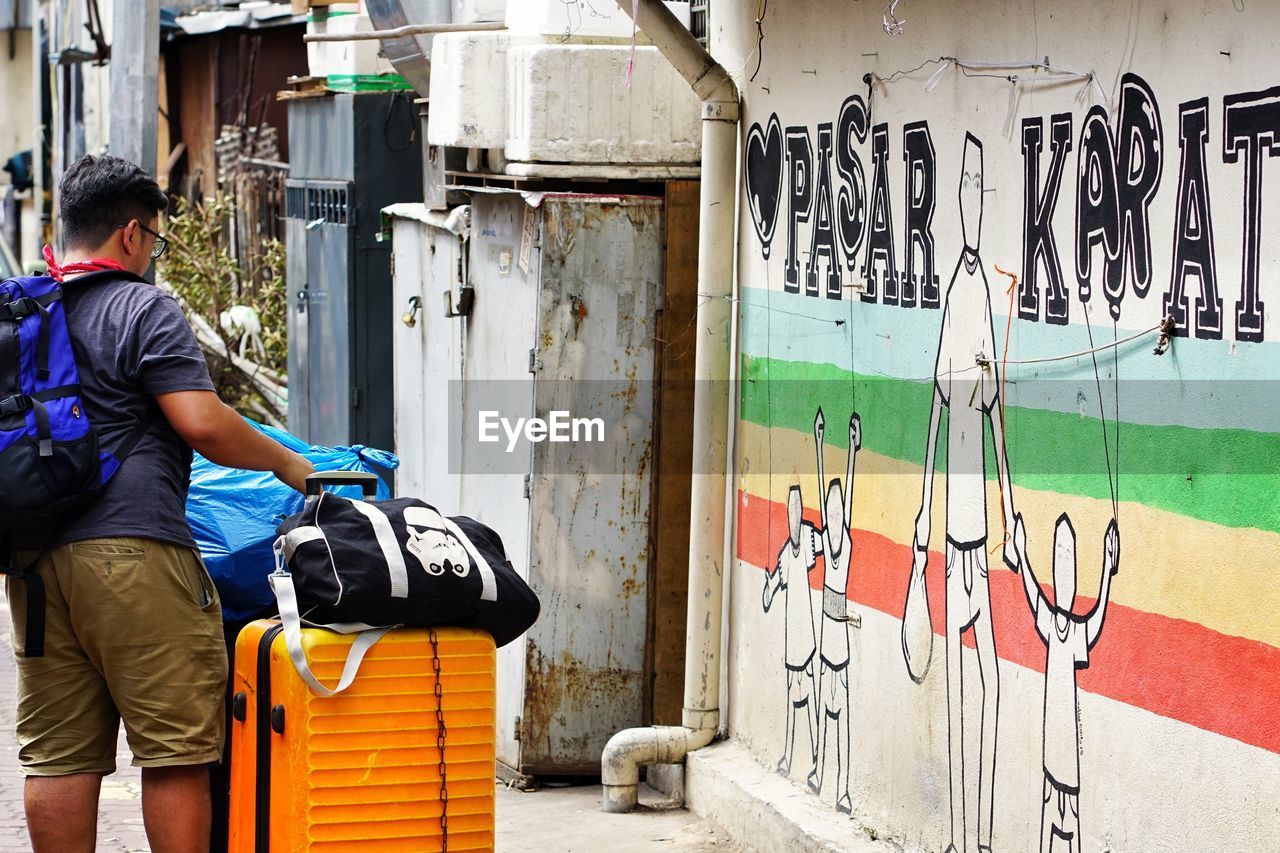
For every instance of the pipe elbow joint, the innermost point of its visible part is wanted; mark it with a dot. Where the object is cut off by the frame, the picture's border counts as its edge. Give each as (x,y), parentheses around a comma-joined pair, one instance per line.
(629,750)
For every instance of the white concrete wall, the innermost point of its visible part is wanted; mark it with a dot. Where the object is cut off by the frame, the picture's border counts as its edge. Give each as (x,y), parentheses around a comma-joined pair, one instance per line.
(1178,714)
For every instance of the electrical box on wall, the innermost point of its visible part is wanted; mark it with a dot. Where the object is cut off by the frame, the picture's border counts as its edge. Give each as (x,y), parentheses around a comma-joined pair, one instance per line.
(352,155)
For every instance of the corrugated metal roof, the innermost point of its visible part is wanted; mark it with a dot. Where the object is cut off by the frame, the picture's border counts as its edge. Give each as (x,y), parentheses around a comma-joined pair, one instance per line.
(247,16)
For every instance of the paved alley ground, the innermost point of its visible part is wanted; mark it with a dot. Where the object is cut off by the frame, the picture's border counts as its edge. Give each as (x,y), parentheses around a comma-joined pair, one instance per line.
(548,820)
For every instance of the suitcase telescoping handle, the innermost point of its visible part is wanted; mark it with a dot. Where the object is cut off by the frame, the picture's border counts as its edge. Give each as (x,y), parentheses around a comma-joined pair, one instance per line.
(366,481)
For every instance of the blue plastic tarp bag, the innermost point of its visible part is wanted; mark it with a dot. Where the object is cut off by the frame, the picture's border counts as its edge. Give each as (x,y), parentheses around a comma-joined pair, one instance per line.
(234,515)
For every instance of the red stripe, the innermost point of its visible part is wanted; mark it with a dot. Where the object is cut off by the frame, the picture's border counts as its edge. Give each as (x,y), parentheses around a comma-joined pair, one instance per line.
(1171,667)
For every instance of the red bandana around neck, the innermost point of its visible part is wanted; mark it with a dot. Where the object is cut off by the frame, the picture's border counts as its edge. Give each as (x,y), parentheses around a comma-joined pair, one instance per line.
(59,272)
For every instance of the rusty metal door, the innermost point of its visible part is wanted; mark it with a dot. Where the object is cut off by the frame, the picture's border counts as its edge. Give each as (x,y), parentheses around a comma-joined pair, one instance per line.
(599,293)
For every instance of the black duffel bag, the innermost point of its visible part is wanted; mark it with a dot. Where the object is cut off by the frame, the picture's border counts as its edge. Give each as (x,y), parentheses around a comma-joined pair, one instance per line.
(364,566)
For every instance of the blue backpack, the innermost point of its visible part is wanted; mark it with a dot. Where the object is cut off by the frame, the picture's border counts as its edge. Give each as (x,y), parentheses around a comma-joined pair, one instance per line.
(50,458)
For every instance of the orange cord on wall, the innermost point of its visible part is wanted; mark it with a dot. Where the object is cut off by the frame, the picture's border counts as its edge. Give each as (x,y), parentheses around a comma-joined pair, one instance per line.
(1004,373)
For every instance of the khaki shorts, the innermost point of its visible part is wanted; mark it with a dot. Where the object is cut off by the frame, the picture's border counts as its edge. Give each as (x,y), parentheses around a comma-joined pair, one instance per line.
(133,632)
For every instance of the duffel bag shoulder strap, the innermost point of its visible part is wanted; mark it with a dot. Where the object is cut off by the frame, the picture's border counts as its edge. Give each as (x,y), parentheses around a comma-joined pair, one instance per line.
(287,599)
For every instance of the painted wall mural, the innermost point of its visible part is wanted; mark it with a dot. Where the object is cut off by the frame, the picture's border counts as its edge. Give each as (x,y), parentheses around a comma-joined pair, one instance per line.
(821,693)
(1118,172)
(1012,398)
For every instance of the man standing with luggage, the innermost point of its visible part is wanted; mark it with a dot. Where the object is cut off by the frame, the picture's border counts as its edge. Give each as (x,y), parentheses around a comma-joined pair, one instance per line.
(133,627)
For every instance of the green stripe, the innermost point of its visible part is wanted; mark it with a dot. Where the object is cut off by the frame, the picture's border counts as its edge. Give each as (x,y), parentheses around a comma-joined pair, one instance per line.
(319,16)
(367,83)
(1229,477)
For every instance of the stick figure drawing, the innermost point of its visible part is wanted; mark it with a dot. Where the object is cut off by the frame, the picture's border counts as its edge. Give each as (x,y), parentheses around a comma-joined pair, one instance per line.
(1069,638)
(833,683)
(790,575)
(967,384)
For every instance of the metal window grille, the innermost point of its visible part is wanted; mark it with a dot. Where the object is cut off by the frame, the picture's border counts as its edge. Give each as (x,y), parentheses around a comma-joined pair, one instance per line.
(327,202)
(699,12)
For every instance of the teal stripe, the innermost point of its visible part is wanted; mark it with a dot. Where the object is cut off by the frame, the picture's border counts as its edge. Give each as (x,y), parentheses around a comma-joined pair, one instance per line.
(1201,384)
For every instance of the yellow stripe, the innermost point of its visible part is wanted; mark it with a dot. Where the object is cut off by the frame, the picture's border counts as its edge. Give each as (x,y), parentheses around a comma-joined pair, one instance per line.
(1220,577)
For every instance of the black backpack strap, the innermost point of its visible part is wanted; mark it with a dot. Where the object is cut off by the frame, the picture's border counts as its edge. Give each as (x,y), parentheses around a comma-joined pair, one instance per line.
(44,433)
(144,425)
(28,305)
(33,641)
(42,346)
(25,307)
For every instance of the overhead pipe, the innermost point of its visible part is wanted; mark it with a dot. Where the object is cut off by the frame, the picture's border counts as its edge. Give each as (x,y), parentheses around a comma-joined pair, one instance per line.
(629,750)
(401,32)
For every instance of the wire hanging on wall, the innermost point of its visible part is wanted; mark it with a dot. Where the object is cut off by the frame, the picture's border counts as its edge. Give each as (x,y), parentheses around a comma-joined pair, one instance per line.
(892,25)
(762,9)
(1043,73)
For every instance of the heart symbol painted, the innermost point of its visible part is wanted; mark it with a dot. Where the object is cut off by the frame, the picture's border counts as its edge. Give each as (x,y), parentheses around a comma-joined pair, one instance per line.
(763,173)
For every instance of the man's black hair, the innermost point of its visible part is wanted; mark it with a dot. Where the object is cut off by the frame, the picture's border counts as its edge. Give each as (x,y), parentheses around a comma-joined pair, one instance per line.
(99,194)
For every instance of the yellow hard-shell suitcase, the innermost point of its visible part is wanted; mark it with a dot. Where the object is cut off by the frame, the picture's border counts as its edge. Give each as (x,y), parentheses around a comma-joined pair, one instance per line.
(363,771)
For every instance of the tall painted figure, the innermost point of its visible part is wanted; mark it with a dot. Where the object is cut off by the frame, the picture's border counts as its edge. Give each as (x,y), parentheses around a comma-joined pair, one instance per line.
(970,391)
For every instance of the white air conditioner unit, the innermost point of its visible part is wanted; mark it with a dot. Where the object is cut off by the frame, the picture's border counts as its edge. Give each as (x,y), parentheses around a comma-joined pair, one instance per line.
(544,102)
(569,104)
(468,90)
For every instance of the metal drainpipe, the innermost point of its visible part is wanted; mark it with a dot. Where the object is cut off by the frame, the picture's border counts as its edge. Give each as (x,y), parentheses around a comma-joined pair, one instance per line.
(629,750)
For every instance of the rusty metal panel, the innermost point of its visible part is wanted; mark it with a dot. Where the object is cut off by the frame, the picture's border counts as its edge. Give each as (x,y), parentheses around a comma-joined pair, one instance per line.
(599,294)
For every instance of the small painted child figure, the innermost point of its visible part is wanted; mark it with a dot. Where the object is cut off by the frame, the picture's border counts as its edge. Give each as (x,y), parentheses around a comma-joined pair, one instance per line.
(790,574)
(1069,638)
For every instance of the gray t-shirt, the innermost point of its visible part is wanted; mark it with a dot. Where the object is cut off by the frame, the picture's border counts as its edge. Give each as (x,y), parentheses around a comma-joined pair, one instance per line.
(132,342)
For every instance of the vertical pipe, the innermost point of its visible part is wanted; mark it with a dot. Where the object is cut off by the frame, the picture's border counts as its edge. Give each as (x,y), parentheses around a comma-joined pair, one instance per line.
(709,506)
(711,418)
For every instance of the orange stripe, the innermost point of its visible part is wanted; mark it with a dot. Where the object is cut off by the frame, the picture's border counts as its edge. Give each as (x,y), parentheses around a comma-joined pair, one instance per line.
(1171,667)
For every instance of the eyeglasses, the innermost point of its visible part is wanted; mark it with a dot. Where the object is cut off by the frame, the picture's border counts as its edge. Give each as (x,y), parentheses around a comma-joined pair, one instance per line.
(161,245)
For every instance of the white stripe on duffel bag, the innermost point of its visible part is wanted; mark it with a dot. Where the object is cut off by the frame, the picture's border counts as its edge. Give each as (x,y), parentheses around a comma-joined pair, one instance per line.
(297,537)
(489,583)
(390,546)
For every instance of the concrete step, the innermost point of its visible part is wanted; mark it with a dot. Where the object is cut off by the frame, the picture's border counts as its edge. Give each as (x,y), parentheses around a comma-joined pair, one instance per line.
(727,787)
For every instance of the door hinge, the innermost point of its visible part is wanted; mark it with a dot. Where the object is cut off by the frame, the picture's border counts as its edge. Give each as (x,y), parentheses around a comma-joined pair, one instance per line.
(528,486)
(355,397)
(516,733)
(534,364)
